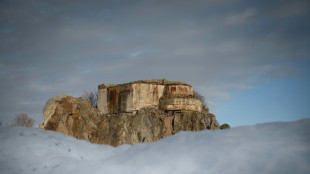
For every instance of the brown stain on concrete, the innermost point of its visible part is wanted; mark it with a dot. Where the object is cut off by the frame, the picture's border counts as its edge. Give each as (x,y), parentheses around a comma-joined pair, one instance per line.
(122,100)
(155,94)
(112,99)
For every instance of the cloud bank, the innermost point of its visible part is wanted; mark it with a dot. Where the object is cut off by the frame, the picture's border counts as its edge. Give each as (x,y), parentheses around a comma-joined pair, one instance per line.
(50,48)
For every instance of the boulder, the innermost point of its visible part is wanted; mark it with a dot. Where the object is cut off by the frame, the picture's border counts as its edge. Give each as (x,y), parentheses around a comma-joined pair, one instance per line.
(225,126)
(72,116)
(76,117)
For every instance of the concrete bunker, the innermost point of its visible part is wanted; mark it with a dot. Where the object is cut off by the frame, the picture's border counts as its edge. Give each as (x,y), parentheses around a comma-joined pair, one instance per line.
(131,97)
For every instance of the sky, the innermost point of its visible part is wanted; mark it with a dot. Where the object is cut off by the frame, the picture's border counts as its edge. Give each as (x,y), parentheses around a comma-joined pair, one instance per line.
(248,58)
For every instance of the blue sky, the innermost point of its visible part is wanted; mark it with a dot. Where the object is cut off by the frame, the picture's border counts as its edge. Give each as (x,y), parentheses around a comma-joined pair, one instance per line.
(250,59)
(280,99)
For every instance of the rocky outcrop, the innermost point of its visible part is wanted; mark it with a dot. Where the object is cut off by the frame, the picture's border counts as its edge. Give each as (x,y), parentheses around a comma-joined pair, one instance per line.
(72,116)
(151,124)
(76,117)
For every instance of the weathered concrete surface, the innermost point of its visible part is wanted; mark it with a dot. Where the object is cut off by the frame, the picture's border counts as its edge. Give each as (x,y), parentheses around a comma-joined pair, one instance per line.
(133,96)
(146,95)
(76,117)
(178,90)
(119,99)
(180,104)
(102,98)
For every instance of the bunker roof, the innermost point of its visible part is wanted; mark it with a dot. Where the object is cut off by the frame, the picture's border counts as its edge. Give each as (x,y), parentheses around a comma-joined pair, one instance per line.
(154,82)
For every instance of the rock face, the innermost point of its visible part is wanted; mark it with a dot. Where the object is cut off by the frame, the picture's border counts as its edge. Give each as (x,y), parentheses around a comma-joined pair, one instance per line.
(76,117)
(72,116)
(151,124)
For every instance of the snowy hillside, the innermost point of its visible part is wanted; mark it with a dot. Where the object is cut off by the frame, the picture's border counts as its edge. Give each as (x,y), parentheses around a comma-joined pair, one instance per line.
(266,148)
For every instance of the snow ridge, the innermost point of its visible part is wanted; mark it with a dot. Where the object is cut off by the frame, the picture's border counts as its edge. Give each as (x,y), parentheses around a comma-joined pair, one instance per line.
(265,148)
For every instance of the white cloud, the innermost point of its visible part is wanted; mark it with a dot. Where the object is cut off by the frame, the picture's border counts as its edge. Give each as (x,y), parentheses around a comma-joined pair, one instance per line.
(241,17)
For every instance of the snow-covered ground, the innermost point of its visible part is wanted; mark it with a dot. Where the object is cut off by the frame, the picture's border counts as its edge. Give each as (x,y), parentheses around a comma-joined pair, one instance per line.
(282,148)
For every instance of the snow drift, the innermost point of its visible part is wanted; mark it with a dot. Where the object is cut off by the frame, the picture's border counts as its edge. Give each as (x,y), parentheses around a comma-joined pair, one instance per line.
(266,148)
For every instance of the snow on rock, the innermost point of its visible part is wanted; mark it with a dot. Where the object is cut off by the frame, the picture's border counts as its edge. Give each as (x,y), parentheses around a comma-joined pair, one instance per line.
(265,148)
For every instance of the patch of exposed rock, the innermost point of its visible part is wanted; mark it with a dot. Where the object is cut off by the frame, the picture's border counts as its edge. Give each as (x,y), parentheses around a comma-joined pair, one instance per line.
(72,116)
(76,117)
(225,126)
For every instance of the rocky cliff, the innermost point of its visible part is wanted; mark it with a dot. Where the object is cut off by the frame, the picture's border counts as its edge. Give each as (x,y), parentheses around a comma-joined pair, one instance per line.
(76,117)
